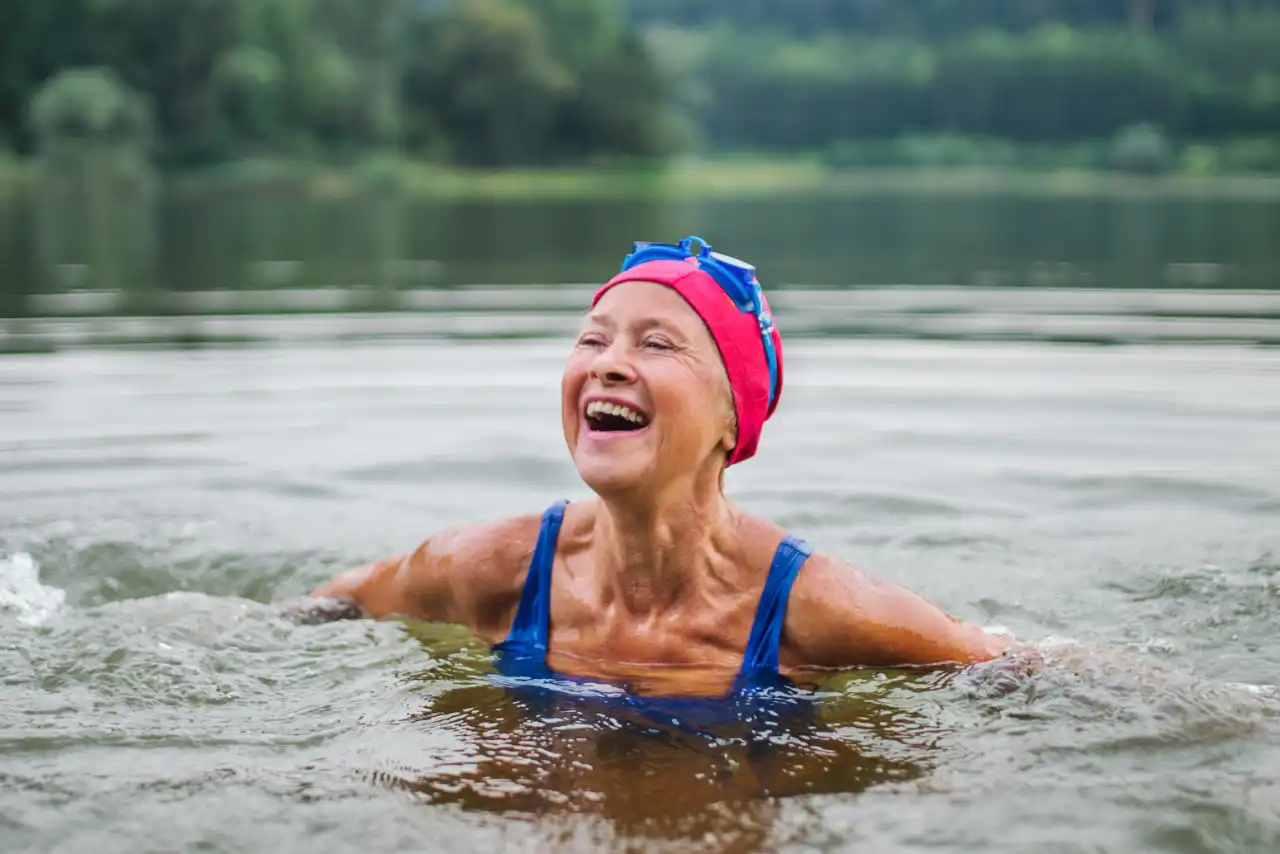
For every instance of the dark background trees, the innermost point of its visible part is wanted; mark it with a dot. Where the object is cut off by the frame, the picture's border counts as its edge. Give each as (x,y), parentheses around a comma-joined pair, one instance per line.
(519,82)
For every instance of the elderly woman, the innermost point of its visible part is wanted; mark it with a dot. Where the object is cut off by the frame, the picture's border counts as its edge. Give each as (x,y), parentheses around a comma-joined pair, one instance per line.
(660,582)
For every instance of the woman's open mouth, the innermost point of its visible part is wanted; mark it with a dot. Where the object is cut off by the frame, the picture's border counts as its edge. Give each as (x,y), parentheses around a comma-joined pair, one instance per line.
(604,416)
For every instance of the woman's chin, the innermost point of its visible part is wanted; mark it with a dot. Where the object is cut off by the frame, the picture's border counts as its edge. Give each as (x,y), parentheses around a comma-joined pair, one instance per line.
(612,469)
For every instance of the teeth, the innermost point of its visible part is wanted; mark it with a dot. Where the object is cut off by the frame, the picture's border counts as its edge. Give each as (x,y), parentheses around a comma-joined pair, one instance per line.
(600,407)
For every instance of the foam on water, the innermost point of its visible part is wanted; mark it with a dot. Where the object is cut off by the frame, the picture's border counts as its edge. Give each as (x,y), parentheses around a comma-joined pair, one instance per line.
(22,596)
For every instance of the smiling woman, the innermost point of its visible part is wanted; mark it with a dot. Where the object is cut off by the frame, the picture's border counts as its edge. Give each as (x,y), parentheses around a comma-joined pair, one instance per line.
(660,583)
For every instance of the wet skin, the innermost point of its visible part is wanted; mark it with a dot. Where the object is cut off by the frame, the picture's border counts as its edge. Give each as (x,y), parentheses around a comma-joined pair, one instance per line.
(655,580)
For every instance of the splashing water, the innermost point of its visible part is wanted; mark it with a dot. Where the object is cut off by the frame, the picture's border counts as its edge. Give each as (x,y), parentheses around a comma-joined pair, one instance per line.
(22,596)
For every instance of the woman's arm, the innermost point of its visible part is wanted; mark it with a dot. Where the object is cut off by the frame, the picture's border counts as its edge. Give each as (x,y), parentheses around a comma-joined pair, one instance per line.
(840,617)
(387,587)
(468,575)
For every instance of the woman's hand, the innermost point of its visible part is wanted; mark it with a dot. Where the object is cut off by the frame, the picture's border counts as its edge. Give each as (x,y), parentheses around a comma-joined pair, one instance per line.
(312,610)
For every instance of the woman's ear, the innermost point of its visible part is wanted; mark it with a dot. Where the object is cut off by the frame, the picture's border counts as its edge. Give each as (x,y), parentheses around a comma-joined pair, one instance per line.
(729,438)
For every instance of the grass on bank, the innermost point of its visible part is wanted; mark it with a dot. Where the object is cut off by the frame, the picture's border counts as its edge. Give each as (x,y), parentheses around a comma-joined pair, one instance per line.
(721,177)
(1148,165)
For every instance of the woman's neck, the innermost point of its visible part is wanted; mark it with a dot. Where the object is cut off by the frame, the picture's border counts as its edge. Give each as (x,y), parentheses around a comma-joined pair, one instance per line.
(651,555)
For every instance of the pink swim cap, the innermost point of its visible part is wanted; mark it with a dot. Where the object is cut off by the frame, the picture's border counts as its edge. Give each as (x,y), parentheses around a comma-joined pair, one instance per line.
(737,335)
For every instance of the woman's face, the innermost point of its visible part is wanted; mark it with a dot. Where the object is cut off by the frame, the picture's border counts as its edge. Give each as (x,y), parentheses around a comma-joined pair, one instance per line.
(644,398)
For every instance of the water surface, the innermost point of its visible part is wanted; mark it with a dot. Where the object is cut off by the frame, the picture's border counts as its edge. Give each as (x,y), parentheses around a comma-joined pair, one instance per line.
(179,241)
(155,501)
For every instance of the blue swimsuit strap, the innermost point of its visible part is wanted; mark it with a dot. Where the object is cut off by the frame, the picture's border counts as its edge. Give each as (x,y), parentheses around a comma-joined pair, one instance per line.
(531,628)
(771,613)
(532,624)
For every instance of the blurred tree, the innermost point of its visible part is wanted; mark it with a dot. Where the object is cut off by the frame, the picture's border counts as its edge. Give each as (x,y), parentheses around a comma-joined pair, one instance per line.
(621,107)
(287,85)
(169,50)
(502,83)
(249,84)
(484,74)
(1056,84)
(37,39)
(579,32)
(95,194)
(369,32)
(919,18)
(1208,75)
(89,104)
(1141,149)
(539,81)
(1142,15)
(616,102)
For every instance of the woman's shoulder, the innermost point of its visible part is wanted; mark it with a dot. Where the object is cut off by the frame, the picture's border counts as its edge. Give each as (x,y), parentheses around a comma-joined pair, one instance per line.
(825,585)
(470,574)
(501,549)
(839,615)
(492,550)
(757,538)
(477,568)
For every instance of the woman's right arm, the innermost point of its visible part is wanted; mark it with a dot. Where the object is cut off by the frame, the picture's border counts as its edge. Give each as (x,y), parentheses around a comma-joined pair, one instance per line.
(467,575)
(394,586)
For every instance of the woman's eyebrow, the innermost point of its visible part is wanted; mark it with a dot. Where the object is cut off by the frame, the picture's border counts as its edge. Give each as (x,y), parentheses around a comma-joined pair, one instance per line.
(644,324)
(647,323)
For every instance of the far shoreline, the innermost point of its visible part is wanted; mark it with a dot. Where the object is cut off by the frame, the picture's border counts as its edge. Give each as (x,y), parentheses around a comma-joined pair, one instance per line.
(717,177)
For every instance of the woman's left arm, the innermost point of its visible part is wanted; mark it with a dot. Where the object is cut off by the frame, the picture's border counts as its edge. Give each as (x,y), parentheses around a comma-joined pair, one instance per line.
(841,617)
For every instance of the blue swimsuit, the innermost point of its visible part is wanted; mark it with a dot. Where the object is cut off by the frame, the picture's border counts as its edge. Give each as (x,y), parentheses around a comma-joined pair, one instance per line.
(760,694)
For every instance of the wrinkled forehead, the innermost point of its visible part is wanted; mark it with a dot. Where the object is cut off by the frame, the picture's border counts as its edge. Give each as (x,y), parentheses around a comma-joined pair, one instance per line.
(634,305)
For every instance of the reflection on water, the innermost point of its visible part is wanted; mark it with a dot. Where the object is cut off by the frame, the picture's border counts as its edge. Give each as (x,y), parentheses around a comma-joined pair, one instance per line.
(239,266)
(542,751)
(372,242)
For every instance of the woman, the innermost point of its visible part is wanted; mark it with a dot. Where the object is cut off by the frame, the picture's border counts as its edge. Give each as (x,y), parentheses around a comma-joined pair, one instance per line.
(660,582)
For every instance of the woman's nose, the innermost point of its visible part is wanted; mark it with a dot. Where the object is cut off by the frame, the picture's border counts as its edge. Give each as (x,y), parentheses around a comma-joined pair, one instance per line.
(612,366)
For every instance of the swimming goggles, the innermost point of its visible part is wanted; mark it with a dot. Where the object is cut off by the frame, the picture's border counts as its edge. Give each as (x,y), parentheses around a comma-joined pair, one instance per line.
(736,278)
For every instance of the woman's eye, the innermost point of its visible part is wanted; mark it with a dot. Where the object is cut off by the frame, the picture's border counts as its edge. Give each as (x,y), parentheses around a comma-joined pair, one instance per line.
(590,340)
(658,344)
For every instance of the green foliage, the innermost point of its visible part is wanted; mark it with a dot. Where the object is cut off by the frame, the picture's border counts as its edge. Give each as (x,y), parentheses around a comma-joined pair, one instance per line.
(498,83)
(168,50)
(89,104)
(491,82)
(37,40)
(486,75)
(578,32)
(9,166)
(619,109)
(544,82)
(1141,149)
(925,19)
(1052,83)
(1250,154)
(951,151)
(1055,83)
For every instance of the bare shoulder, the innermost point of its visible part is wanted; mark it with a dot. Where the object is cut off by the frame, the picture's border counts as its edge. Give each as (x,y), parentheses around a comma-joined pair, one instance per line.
(488,551)
(468,574)
(477,568)
(840,616)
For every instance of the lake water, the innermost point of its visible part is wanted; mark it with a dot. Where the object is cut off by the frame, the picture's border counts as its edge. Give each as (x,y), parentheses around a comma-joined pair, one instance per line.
(865,235)
(966,442)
